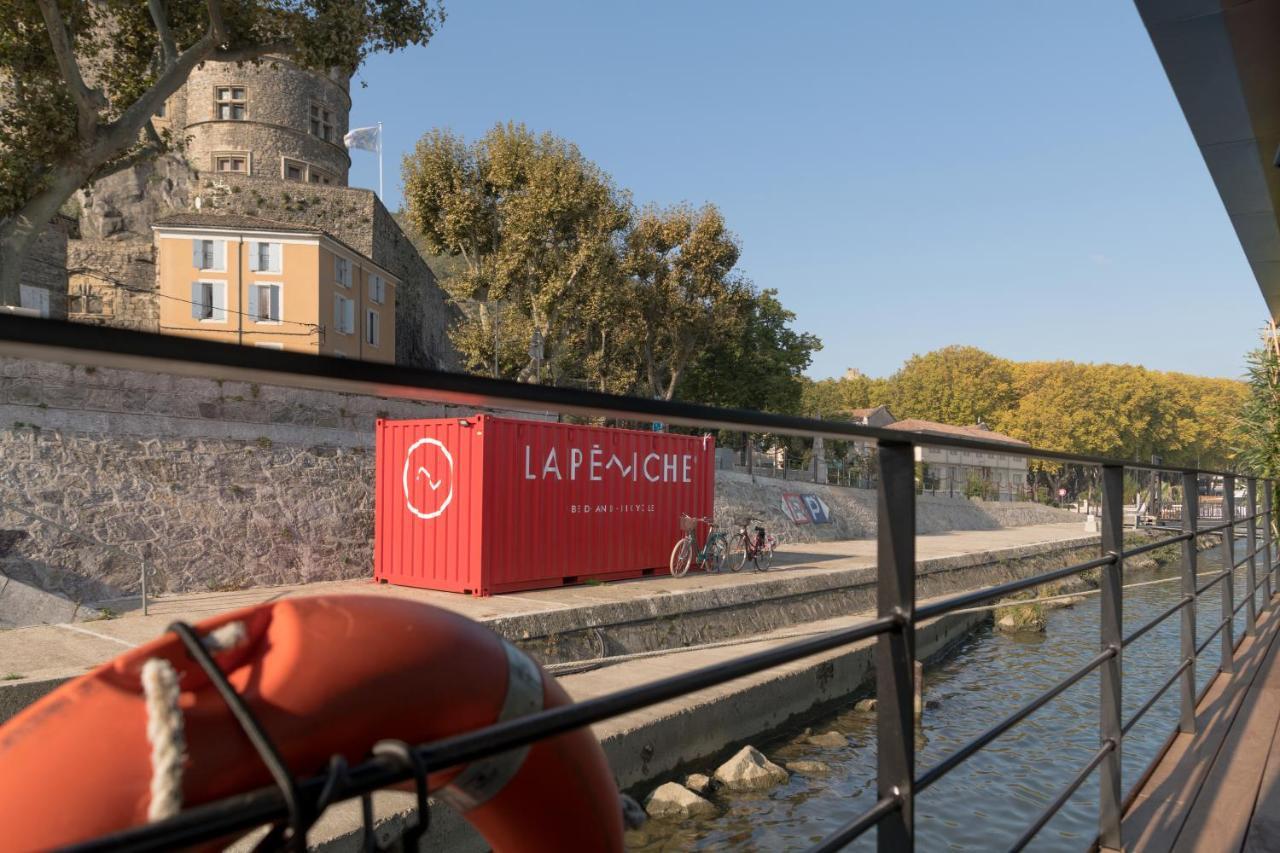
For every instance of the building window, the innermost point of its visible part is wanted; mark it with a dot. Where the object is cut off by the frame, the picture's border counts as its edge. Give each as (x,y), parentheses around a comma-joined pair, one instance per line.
(377,289)
(231,163)
(209,301)
(229,102)
(34,298)
(264,303)
(292,170)
(321,122)
(264,257)
(372,335)
(342,271)
(268,345)
(318,176)
(209,255)
(344,314)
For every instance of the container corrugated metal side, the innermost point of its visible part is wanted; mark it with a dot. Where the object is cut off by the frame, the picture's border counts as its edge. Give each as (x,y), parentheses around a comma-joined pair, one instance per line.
(429,506)
(538,504)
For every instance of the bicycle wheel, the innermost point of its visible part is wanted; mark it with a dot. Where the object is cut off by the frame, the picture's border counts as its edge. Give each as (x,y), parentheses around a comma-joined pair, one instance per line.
(717,553)
(681,557)
(764,559)
(737,556)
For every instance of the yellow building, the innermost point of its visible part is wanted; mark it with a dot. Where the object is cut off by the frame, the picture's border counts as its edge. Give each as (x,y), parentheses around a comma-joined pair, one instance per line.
(276,285)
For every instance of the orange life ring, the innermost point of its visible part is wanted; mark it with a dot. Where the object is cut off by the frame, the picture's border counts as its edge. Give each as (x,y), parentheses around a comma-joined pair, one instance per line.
(324,675)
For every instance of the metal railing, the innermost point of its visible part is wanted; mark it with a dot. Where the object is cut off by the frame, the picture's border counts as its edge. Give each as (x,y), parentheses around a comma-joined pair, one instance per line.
(898,779)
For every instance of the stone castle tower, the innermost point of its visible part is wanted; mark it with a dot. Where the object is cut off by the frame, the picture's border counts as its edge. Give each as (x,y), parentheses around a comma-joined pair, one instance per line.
(260,140)
(273,120)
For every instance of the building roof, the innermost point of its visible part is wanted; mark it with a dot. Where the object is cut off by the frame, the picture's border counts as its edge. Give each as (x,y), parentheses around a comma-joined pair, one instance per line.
(978,432)
(239,222)
(865,413)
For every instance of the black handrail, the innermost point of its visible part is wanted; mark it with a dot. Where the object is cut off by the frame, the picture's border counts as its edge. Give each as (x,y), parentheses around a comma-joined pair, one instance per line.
(964,599)
(946,765)
(1155,697)
(1061,800)
(893,629)
(1182,602)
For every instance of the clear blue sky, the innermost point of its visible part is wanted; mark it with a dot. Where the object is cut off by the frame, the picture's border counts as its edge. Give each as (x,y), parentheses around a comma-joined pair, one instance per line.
(1012,175)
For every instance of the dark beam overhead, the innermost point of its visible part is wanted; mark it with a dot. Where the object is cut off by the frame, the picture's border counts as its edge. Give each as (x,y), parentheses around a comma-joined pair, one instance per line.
(1222,58)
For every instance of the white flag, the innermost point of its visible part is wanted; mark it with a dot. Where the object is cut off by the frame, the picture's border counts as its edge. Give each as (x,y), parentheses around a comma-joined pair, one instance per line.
(364,138)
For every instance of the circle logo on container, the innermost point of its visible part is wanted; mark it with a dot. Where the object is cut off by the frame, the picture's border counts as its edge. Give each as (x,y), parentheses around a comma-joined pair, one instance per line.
(428,478)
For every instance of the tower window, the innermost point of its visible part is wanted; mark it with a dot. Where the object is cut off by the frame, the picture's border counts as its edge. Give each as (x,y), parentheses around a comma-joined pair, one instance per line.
(229,102)
(293,170)
(316,176)
(231,163)
(321,122)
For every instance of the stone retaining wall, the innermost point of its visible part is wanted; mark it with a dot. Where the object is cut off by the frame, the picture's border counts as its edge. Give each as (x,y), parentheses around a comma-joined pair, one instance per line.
(853,511)
(215,485)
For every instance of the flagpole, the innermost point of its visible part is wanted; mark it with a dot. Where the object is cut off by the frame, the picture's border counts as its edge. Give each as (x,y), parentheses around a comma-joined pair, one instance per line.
(380,195)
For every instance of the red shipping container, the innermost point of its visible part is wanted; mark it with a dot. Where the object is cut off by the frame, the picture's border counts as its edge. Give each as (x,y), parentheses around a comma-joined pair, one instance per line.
(484,504)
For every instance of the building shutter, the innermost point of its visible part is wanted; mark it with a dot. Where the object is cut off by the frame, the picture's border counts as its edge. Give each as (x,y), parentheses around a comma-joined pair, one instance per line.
(197,299)
(275,257)
(220,254)
(350,306)
(219,292)
(337,313)
(253,257)
(197,257)
(253,302)
(275,302)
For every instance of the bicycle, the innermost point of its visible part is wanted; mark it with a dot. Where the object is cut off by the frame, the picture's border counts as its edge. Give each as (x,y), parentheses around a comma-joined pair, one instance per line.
(758,548)
(686,552)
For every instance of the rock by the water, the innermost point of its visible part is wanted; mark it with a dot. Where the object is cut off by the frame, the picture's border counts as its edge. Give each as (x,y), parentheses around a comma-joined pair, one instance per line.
(699,783)
(675,800)
(828,739)
(1016,618)
(749,770)
(865,705)
(808,768)
(633,816)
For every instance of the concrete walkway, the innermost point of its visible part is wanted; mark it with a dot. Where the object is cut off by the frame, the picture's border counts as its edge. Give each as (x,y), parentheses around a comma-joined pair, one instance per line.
(53,651)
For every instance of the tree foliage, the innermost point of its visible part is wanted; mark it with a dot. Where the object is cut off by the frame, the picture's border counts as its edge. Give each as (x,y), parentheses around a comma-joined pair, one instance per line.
(526,233)
(83,79)
(1117,410)
(679,263)
(1260,415)
(536,226)
(955,385)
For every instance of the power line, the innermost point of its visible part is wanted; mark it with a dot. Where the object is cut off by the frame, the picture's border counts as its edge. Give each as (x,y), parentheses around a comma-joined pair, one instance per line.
(119,285)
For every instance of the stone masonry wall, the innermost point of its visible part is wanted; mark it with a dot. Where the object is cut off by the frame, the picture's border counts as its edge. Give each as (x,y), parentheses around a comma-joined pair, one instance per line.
(216,485)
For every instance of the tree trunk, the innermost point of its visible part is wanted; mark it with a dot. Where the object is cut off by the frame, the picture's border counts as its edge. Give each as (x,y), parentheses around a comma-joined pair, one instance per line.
(18,233)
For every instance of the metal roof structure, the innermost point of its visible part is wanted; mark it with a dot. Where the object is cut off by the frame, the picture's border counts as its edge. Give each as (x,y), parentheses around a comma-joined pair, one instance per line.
(1222,60)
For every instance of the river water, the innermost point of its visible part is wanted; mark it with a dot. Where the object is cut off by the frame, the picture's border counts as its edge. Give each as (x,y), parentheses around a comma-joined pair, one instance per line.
(989,800)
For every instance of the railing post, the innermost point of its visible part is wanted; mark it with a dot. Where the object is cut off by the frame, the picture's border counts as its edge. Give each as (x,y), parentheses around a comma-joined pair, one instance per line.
(1251,548)
(1267,563)
(1229,566)
(1190,517)
(895,650)
(1112,636)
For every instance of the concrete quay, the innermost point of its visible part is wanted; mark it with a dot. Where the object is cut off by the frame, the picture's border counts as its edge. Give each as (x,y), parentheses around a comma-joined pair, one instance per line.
(809,582)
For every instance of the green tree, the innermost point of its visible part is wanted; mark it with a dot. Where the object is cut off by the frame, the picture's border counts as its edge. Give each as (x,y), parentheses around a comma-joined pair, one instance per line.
(680,265)
(954,385)
(536,226)
(1259,434)
(761,367)
(84,78)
